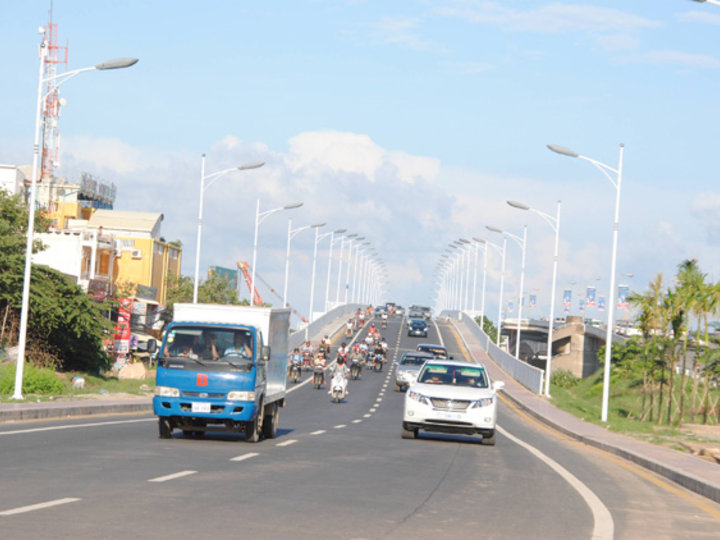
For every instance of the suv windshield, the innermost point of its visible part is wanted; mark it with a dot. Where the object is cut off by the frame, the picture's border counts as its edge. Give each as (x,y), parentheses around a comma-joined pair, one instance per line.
(473,377)
(413,361)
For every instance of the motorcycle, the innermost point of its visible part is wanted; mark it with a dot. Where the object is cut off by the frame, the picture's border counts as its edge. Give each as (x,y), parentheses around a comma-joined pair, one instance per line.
(348,332)
(355,368)
(307,359)
(383,323)
(338,387)
(378,362)
(318,377)
(295,372)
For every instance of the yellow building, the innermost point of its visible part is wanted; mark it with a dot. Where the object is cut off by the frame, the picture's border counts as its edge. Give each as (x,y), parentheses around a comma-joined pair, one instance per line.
(142,257)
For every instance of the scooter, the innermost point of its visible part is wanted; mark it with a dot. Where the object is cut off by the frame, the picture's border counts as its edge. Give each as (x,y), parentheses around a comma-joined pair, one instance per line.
(378,362)
(307,360)
(338,387)
(355,368)
(348,332)
(295,372)
(318,377)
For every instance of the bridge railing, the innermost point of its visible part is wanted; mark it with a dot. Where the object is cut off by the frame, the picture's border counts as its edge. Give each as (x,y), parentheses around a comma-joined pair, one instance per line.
(299,336)
(529,376)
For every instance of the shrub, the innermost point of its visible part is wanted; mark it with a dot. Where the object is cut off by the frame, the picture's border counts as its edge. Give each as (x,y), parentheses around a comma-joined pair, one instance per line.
(35,381)
(564,378)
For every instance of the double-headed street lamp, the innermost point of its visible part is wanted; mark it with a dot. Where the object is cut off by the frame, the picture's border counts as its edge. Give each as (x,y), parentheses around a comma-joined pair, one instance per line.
(203,186)
(349,237)
(554,222)
(327,284)
(318,237)
(617,183)
(522,242)
(291,234)
(117,63)
(259,217)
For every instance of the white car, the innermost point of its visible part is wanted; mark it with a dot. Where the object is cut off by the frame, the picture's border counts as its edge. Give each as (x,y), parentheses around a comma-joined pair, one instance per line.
(452,397)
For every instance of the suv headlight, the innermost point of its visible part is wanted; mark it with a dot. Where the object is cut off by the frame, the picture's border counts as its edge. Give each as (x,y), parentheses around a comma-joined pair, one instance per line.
(238,395)
(484,402)
(167,391)
(418,397)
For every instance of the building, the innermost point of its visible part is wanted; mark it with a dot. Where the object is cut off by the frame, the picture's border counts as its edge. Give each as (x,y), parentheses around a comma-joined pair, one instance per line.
(11,179)
(142,257)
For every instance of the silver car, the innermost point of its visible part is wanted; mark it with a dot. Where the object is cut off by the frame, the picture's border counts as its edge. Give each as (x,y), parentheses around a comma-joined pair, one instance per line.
(408,367)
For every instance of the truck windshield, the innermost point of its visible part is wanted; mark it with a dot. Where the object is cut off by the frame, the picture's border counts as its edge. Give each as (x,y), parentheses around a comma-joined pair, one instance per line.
(209,344)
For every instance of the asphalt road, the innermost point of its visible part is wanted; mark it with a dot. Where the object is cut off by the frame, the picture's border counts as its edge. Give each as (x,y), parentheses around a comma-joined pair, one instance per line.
(335,471)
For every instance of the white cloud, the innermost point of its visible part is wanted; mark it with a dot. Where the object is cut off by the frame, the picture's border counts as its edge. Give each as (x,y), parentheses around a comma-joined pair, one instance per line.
(552,18)
(695,16)
(674,58)
(706,208)
(401,31)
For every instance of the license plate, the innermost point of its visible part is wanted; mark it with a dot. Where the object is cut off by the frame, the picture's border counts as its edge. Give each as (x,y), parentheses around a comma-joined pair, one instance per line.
(450,416)
(200,407)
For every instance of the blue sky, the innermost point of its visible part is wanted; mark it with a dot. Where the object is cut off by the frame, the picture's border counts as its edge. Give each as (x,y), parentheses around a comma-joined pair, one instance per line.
(408,122)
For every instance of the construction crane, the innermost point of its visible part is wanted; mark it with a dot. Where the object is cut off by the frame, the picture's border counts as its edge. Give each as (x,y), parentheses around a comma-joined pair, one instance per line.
(244,267)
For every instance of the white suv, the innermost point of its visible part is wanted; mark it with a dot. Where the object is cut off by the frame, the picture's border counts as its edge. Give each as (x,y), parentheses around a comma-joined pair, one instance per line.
(452,397)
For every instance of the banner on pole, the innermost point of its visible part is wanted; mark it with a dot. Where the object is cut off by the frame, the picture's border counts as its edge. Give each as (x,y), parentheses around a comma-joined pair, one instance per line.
(590,296)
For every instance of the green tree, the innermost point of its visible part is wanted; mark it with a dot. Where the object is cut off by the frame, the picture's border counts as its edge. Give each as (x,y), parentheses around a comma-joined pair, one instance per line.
(65,326)
(488,327)
(214,290)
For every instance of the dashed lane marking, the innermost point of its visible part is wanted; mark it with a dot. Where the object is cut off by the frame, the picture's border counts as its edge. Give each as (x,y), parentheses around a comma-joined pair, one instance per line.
(287,443)
(367,415)
(318,432)
(357,421)
(172,476)
(39,506)
(340,426)
(245,456)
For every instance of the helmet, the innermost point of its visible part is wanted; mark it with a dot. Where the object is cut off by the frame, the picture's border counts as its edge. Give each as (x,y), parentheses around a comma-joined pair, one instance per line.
(340,360)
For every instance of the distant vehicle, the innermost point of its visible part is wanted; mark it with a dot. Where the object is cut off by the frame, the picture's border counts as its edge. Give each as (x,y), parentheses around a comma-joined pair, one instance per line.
(417,328)
(415,314)
(452,397)
(438,351)
(408,367)
(399,310)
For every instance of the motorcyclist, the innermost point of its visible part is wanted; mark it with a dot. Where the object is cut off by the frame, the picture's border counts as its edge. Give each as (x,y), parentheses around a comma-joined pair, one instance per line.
(319,365)
(349,327)
(295,359)
(340,369)
(379,353)
(325,343)
(343,351)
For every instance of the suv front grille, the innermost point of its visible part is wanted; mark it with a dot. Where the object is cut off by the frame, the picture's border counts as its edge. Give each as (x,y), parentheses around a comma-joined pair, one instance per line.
(450,404)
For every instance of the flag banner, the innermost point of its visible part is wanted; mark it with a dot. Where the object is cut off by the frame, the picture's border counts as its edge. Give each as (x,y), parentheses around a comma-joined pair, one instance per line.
(533,300)
(601,303)
(567,298)
(581,305)
(510,306)
(623,292)
(590,296)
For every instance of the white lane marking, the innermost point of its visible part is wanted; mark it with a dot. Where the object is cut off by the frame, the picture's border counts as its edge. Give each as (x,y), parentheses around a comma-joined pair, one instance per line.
(75,426)
(287,443)
(367,415)
(39,506)
(318,432)
(604,527)
(340,426)
(438,332)
(378,400)
(243,457)
(357,421)
(373,409)
(172,476)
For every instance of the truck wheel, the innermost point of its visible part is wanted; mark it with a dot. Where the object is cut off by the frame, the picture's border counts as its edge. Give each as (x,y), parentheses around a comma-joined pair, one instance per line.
(489,440)
(253,430)
(165,428)
(397,387)
(408,433)
(270,425)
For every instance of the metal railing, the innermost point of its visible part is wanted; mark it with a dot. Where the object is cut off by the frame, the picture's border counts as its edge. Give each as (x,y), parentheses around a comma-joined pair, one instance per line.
(529,376)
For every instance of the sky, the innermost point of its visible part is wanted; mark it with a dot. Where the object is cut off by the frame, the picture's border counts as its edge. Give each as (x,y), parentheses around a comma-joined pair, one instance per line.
(408,122)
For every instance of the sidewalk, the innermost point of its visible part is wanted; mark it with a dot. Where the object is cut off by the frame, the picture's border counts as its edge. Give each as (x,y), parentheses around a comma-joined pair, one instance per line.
(693,473)
(109,404)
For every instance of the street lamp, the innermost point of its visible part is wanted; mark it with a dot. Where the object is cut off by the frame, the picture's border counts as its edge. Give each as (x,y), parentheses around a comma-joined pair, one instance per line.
(340,263)
(259,217)
(522,242)
(554,223)
(358,239)
(203,186)
(117,63)
(713,2)
(291,234)
(617,183)
(327,284)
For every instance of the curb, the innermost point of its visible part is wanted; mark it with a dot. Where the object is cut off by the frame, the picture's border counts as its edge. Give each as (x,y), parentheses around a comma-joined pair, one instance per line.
(33,411)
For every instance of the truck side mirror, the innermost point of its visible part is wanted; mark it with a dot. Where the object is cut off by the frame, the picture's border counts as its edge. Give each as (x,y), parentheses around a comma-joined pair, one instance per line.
(265,353)
(151,346)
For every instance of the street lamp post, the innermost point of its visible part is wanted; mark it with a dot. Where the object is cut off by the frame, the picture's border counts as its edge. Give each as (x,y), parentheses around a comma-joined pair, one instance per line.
(617,183)
(291,234)
(327,284)
(118,63)
(349,237)
(502,282)
(554,223)
(522,242)
(203,186)
(259,217)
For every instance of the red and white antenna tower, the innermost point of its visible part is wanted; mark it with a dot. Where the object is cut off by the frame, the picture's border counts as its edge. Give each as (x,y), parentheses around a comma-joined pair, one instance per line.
(51,106)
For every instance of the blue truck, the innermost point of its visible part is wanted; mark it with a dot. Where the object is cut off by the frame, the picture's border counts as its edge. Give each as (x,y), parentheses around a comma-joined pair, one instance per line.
(222,368)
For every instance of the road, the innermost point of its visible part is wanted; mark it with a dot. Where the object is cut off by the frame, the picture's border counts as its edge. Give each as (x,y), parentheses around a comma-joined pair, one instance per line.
(335,471)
